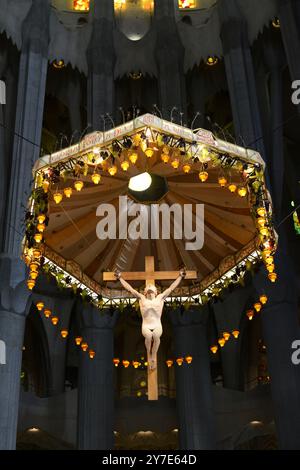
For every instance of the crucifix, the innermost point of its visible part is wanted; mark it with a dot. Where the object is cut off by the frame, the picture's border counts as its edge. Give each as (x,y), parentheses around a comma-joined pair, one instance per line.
(151,306)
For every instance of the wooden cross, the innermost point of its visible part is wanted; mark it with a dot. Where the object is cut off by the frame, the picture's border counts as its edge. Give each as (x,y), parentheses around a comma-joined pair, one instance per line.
(150,276)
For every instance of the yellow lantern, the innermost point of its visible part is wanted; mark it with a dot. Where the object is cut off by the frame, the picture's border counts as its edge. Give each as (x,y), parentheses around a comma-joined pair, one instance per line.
(57,197)
(38,237)
(34,266)
(54,320)
(179,361)
(135,364)
(269,260)
(175,164)
(214,349)
(250,314)
(64,333)
(41,218)
(96,178)
(149,152)
(186,168)
(40,306)
(263,299)
(226,336)
(261,221)
(266,253)
(116,362)
(78,185)
(242,191)
(264,231)
(84,347)
(271,268)
(30,284)
(236,334)
(37,253)
(47,313)
(189,359)
(113,170)
(78,340)
(258,306)
(46,185)
(133,157)
(272,277)
(41,227)
(125,165)
(222,342)
(261,211)
(126,364)
(203,176)
(68,192)
(169,363)
(92,354)
(232,187)
(222,181)
(33,275)
(165,157)
(136,140)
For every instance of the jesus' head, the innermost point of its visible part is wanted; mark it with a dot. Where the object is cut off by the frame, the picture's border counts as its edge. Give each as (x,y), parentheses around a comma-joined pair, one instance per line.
(150,292)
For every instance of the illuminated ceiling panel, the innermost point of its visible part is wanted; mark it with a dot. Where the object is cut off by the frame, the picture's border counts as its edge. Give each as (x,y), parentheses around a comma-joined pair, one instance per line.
(81,5)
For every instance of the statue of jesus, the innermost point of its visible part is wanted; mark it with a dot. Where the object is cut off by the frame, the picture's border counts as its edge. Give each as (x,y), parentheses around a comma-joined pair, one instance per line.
(151,306)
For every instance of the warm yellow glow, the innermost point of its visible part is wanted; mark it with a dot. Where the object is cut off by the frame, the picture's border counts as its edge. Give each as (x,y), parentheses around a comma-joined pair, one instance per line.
(232,188)
(64,333)
(222,342)
(263,299)
(92,354)
(81,5)
(214,349)
(186,168)
(41,227)
(125,165)
(242,191)
(261,211)
(78,185)
(222,181)
(149,152)
(269,260)
(57,197)
(133,157)
(212,60)
(272,277)
(261,221)
(257,306)
(175,164)
(203,176)
(47,313)
(68,192)
(189,359)
(113,170)
(186,4)
(264,231)
(140,182)
(84,346)
(96,178)
(30,284)
(226,336)
(126,364)
(271,268)
(135,364)
(116,362)
(250,314)
(78,340)
(34,267)
(37,253)
(236,334)
(33,275)
(54,320)
(179,361)
(165,157)
(41,218)
(40,306)
(38,237)
(169,363)
(46,185)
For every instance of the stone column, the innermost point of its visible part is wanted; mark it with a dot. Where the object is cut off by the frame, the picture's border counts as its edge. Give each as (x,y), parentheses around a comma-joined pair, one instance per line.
(193,382)
(96,385)
(289,15)
(169,56)
(101,62)
(240,76)
(14,306)
(29,118)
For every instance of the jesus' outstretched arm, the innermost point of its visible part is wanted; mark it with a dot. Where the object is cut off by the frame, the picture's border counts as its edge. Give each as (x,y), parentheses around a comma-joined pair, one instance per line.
(175,284)
(127,286)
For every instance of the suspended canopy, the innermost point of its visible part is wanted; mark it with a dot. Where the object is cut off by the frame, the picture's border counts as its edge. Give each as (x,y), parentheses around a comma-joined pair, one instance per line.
(186,167)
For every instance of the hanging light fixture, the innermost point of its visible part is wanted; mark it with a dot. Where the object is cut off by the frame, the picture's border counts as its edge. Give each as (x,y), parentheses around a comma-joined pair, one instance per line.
(261,211)
(214,349)
(58,197)
(222,342)
(54,320)
(41,218)
(64,333)
(242,191)
(38,237)
(84,347)
(40,306)
(133,157)
(271,268)
(125,165)
(149,152)
(41,227)
(263,299)
(272,277)
(140,182)
(236,334)
(203,176)
(257,306)
(78,185)
(135,364)
(113,170)
(68,192)
(169,363)
(116,362)
(96,178)
(179,361)
(126,364)
(30,284)
(222,181)
(250,314)
(175,164)
(92,354)
(189,359)
(165,157)
(46,184)
(232,187)
(186,168)
(226,336)
(78,340)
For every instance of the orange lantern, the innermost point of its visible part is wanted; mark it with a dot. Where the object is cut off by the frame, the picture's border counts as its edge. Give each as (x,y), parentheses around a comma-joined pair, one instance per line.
(64,333)
(222,181)
(92,354)
(68,192)
(40,306)
(232,188)
(116,362)
(126,364)
(250,314)
(149,152)
(165,157)
(242,191)
(54,320)
(203,176)
(46,185)
(135,364)
(272,277)
(47,313)
(78,185)
(41,218)
(258,306)
(222,342)
(41,227)
(84,347)
(133,157)
(226,336)
(58,197)
(186,168)
(30,284)
(169,363)
(33,275)
(34,266)
(38,237)
(214,349)
(179,361)
(78,340)
(263,299)
(125,165)
(189,359)
(175,164)
(236,334)
(261,211)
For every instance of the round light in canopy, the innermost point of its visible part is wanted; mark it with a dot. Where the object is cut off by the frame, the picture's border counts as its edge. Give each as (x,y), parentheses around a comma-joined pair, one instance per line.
(140,182)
